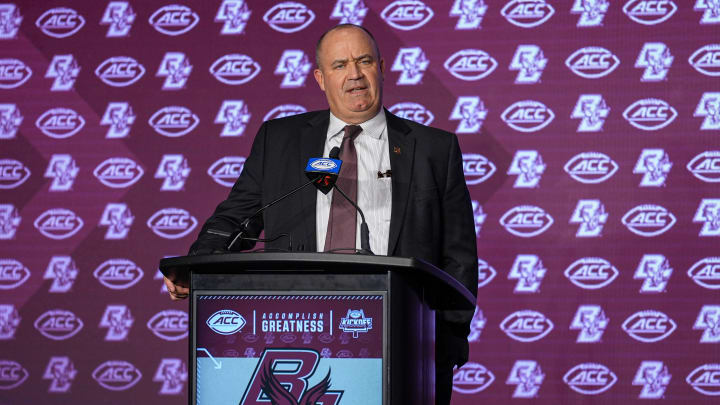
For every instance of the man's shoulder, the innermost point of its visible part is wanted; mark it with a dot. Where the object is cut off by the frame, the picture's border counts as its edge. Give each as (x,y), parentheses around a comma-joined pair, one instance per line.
(417,129)
(297,119)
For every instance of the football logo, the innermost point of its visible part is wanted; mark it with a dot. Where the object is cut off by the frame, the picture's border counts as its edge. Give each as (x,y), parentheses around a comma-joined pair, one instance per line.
(527,13)
(173,374)
(654,378)
(174,171)
(485,273)
(526,221)
(706,166)
(650,114)
(63,272)
(705,379)
(118,320)
(60,123)
(58,324)
(13,173)
(9,221)
(648,220)
(14,374)
(706,273)
(170,325)
(287,110)
(591,13)
(58,223)
(116,375)
(471,378)
(120,17)
(591,216)
(649,326)
(407,15)
(226,322)
(13,73)
(65,70)
(234,14)
(709,108)
(470,64)
(234,69)
(708,320)
(120,117)
(173,121)
(235,115)
(591,273)
(706,60)
(591,167)
(289,17)
(656,59)
(118,172)
(592,62)
(118,274)
(12,274)
(528,166)
(477,168)
(590,378)
(10,118)
(527,116)
(526,326)
(60,22)
(710,12)
(61,372)
(654,165)
(174,19)
(175,68)
(649,12)
(294,66)
(10,320)
(529,272)
(10,20)
(226,170)
(172,223)
(591,110)
(527,376)
(349,12)
(118,218)
(120,71)
(412,111)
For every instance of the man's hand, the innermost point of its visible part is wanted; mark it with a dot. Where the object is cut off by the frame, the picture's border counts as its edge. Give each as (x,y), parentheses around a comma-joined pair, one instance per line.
(177,292)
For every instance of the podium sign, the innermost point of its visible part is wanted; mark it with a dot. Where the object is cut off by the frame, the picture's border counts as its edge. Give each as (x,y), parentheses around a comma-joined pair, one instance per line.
(250,348)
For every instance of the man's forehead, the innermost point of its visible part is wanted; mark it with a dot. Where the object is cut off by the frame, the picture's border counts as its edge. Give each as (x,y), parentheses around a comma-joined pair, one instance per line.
(337,43)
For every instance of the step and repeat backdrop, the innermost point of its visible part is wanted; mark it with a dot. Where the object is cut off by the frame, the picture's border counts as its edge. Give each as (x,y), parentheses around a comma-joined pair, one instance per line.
(590,132)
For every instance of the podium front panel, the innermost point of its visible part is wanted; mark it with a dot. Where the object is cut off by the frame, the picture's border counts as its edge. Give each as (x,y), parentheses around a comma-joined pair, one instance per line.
(249,347)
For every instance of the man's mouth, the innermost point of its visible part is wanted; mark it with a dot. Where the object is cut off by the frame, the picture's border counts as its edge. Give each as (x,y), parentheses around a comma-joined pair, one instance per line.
(356,89)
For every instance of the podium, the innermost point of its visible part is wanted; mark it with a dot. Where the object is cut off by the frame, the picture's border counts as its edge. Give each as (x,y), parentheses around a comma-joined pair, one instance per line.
(301,328)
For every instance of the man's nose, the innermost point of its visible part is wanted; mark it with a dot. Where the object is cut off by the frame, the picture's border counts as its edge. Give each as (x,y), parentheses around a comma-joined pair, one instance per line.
(354,71)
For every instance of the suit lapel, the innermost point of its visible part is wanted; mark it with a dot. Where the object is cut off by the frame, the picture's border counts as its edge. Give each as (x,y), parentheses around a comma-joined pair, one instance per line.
(402,153)
(312,142)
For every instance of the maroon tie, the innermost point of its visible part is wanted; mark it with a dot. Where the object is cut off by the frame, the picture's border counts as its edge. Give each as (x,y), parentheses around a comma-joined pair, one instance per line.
(342,222)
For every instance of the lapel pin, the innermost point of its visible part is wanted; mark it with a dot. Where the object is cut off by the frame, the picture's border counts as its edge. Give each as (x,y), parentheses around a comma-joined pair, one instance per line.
(396,150)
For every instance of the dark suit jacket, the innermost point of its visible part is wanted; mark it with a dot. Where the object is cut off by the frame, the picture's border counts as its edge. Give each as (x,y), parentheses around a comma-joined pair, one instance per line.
(431,216)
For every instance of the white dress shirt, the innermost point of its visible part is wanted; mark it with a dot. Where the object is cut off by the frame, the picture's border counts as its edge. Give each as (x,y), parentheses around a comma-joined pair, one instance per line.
(374,195)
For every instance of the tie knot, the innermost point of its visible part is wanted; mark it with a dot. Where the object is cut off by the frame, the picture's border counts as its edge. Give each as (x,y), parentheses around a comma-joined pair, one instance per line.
(352,131)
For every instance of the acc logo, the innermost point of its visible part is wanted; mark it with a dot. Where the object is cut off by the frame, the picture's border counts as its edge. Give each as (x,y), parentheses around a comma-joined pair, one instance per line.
(9,221)
(530,62)
(648,220)
(527,13)
(175,68)
(60,123)
(58,223)
(592,62)
(705,379)
(708,321)
(591,13)
(172,223)
(591,273)
(591,216)
(709,107)
(294,65)
(528,166)
(708,214)
(485,273)
(591,167)
(412,63)
(235,115)
(654,165)
(470,64)
(60,22)
(706,166)
(591,321)
(655,270)
(234,14)
(407,15)
(65,70)
(526,221)
(477,168)
(120,117)
(61,372)
(118,274)
(706,60)
(471,14)
(286,110)
(526,326)
(118,320)
(63,272)
(527,116)
(479,217)
(656,59)
(471,112)
(58,324)
(590,378)
(649,12)
(710,11)
(118,218)
(649,326)
(654,378)
(706,273)
(174,19)
(472,378)
(118,172)
(528,377)
(174,170)
(226,170)
(289,17)
(12,374)
(11,19)
(349,12)
(173,374)
(650,114)
(10,118)
(235,69)
(120,16)
(169,324)
(63,170)
(413,111)
(116,375)
(120,71)
(529,271)
(13,173)
(13,73)
(323,164)
(226,322)
(591,110)
(12,274)
(173,121)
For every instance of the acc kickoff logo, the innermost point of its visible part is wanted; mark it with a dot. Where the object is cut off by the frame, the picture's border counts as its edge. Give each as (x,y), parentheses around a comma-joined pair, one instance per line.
(169,324)
(472,378)
(235,115)
(709,108)
(118,218)
(58,324)
(590,378)
(529,167)
(175,68)
(412,64)
(706,166)
(529,272)
(289,17)
(226,322)
(471,112)
(527,13)
(527,116)
(530,62)
(705,379)
(591,13)
(65,70)
(13,173)
(526,221)
(13,73)
(118,274)
(61,372)
(526,326)
(226,170)
(117,375)
(12,274)
(60,22)
(174,19)
(592,62)
(173,121)
(13,374)
(470,64)
(172,223)
(294,66)
(706,60)
(412,111)
(120,17)
(655,271)
(286,110)
(650,114)
(648,220)
(708,214)
(118,172)
(706,273)
(120,71)
(656,59)
(58,223)
(355,322)
(118,320)
(234,14)
(120,117)
(649,326)
(477,168)
(60,123)
(591,217)
(174,171)
(349,12)
(235,69)
(591,321)
(654,165)
(527,376)
(10,118)
(407,15)
(10,20)
(470,14)
(591,167)
(649,12)
(63,272)
(591,273)
(591,110)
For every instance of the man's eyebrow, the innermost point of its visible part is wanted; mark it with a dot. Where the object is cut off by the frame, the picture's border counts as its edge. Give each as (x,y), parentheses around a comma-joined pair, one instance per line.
(364,56)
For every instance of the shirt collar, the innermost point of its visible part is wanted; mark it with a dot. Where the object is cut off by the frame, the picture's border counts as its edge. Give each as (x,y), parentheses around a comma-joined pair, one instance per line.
(374,127)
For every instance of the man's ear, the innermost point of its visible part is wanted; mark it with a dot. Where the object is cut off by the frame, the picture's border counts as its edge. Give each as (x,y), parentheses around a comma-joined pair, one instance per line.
(382,67)
(319,78)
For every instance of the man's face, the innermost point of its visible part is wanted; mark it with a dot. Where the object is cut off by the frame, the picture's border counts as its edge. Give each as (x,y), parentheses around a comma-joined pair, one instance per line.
(351,75)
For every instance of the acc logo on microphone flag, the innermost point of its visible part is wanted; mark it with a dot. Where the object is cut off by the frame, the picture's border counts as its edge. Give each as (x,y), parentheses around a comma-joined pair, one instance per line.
(412,111)
(526,221)
(11,118)
(120,17)
(648,12)
(13,73)
(12,274)
(325,165)
(706,166)
(118,274)
(116,375)
(527,116)
(14,374)
(706,60)
(705,379)
(174,19)
(591,273)
(477,168)
(13,173)
(60,123)
(58,324)
(226,322)
(470,64)
(58,223)
(60,22)
(407,15)
(169,324)
(706,273)
(118,172)
(527,13)
(648,220)
(590,378)
(289,17)
(120,71)
(173,121)
(592,62)
(472,378)
(649,326)
(526,326)
(591,167)
(470,17)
